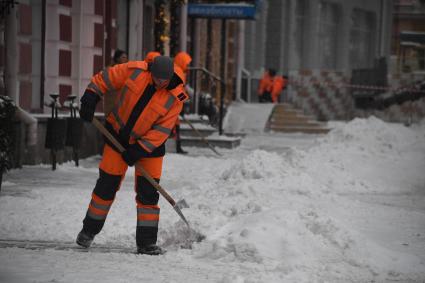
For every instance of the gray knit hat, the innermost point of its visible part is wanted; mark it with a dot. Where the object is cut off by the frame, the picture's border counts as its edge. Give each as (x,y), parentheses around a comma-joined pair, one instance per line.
(162,67)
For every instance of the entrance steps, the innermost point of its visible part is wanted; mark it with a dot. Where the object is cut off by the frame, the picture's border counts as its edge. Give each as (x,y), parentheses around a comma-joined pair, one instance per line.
(287,119)
(191,138)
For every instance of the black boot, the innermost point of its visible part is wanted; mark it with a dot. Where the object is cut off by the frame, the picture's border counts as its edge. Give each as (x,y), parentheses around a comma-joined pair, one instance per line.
(150,250)
(84,239)
(179,148)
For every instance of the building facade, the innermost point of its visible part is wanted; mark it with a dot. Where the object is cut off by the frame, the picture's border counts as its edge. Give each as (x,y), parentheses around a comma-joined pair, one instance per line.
(55,46)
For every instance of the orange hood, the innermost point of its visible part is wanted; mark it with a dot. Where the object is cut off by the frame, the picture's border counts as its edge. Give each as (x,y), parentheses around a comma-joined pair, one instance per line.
(151,55)
(182,59)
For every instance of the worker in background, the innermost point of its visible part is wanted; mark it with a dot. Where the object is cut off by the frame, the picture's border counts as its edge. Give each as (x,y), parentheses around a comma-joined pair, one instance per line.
(279,85)
(120,57)
(150,99)
(266,85)
(182,60)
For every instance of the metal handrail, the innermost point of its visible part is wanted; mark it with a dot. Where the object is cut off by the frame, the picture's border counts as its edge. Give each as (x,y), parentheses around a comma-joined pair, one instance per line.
(248,76)
(211,74)
(213,77)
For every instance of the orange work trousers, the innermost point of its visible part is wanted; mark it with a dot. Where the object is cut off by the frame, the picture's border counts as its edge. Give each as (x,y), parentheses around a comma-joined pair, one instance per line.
(112,170)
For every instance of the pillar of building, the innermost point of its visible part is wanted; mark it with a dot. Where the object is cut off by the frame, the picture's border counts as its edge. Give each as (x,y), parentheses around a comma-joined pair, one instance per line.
(343,43)
(240,60)
(183,27)
(11,71)
(291,54)
(135,49)
(312,33)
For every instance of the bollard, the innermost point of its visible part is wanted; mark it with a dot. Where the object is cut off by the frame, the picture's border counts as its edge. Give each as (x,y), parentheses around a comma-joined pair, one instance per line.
(56,129)
(74,131)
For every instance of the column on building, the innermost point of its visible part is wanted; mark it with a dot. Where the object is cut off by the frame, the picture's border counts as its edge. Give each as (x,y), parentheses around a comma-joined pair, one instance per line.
(135,40)
(255,47)
(295,40)
(275,31)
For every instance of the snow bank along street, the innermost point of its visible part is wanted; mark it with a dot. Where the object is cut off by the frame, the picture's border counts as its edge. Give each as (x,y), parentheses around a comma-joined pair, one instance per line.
(345,207)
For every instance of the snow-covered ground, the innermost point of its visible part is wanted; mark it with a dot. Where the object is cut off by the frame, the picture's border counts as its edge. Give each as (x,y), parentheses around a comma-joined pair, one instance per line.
(345,207)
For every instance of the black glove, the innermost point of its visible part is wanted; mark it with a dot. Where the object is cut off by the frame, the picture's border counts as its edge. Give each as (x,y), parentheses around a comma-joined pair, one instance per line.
(88,105)
(133,153)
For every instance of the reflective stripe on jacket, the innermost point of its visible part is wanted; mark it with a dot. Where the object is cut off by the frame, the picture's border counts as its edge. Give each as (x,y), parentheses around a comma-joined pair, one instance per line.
(141,113)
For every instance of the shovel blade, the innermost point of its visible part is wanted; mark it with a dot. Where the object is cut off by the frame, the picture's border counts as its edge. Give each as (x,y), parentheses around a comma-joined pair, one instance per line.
(182,204)
(179,212)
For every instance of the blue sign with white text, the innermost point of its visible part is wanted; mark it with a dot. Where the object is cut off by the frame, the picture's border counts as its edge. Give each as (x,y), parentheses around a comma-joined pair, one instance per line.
(222,11)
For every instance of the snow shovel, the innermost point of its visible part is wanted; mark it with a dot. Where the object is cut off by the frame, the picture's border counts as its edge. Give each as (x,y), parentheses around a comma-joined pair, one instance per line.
(202,138)
(176,206)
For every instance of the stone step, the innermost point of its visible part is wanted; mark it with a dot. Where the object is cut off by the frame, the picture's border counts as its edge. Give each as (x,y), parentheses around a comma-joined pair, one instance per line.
(299,129)
(279,123)
(195,119)
(204,130)
(295,119)
(285,118)
(215,141)
(284,105)
(292,114)
(287,112)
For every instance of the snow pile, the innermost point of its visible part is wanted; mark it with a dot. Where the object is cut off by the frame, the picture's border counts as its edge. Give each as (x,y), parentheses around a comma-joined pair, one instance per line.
(348,209)
(371,135)
(257,165)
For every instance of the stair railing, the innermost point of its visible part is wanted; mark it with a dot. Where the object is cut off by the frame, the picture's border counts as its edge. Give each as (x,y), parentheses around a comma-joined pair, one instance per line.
(198,103)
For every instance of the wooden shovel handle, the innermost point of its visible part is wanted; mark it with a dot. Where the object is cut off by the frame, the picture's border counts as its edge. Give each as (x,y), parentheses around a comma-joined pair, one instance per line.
(145,174)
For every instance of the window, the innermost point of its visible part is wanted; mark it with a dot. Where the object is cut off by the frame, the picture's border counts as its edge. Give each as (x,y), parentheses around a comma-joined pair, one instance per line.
(97,63)
(98,7)
(98,35)
(65,28)
(64,91)
(25,19)
(67,3)
(25,58)
(65,63)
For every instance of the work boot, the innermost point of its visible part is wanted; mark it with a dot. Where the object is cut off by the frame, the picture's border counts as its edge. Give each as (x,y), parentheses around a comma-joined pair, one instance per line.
(150,250)
(84,239)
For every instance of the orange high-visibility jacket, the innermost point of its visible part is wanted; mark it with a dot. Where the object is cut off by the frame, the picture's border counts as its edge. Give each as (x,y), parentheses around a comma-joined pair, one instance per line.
(141,113)
(266,84)
(182,60)
(279,84)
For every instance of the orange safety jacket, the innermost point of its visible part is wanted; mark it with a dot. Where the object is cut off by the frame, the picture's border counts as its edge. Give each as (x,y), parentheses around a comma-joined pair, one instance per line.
(279,84)
(141,113)
(182,60)
(266,84)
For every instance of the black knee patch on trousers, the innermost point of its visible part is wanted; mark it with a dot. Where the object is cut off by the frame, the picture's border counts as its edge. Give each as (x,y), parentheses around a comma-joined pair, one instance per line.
(107,185)
(146,193)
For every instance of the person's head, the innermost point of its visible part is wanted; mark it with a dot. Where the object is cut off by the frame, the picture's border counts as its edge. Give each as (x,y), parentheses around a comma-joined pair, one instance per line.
(162,70)
(272,72)
(182,59)
(151,55)
(120,57)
